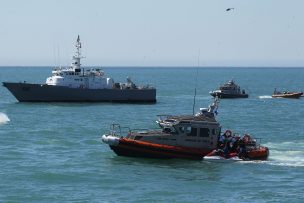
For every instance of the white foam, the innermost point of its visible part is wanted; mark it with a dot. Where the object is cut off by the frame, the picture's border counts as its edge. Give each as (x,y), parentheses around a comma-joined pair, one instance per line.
(286,154)
(265,97)
(3,118)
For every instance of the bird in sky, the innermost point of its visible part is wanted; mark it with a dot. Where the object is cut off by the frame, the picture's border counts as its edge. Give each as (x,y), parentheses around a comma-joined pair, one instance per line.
(229,9)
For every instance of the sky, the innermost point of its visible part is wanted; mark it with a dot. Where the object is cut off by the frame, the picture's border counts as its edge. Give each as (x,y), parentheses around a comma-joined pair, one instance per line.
(256,33)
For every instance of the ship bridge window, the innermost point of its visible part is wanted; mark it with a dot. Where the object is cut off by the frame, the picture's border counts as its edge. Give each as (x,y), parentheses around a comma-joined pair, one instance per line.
(185,129)
(213,131)
(169,130)
(204,132)
(193,132)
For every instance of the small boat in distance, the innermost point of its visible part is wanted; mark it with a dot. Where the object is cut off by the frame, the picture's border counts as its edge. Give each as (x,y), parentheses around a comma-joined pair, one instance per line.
(285,94)
(75,84)
(229,90)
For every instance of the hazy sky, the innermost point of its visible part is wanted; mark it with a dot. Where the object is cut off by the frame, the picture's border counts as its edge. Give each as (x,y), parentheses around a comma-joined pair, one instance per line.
(153,32)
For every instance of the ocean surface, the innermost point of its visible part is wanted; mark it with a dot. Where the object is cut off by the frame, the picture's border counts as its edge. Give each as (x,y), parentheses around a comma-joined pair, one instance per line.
(52,152)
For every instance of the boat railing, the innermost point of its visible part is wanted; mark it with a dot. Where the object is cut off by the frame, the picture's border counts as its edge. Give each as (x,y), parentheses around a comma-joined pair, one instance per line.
(254,142)
(144,130)
(118,131)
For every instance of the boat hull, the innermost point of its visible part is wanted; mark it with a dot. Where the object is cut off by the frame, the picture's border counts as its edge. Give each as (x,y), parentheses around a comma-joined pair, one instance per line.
(228,96)
(289,95)
(134,148)
(261,153)
(26,92)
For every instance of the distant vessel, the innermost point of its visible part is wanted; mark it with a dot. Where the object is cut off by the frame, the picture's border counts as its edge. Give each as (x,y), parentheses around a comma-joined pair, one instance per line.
(75,84)
(285,94)
(185,137)
(229,90)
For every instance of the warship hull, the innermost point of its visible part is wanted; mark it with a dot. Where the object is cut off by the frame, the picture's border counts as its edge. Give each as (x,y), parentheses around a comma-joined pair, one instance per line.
(26,92)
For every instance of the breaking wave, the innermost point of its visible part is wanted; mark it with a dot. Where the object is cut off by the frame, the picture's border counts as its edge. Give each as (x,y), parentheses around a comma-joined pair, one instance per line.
(3,118)
(286,154)
(265,97)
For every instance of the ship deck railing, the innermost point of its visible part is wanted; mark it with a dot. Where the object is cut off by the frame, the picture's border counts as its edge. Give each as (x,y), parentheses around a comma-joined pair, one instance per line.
(118,131)
(155,131)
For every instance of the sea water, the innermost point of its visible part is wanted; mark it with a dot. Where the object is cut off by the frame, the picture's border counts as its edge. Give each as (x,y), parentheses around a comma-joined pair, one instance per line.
(52,152)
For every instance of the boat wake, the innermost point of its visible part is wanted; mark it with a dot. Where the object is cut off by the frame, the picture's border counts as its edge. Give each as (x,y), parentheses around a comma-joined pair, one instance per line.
(286,154)
(265,97)
(3,118)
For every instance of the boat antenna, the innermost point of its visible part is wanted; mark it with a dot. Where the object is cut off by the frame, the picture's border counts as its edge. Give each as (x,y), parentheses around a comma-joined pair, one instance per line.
(58,54)
(194,98)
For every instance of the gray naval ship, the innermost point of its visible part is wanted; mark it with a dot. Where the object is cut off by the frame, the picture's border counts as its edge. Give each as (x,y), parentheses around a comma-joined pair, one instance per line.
(75,84)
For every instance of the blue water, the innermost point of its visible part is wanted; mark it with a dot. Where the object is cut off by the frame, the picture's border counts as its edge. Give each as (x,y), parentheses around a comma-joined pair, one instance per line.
(51,152)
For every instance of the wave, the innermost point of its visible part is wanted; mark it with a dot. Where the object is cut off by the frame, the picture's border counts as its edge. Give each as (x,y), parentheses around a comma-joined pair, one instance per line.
(4,118)
(265,97)
(286,154)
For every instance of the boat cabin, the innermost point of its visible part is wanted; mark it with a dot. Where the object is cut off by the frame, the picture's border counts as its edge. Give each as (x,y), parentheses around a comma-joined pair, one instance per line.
(195,131)
(231,87)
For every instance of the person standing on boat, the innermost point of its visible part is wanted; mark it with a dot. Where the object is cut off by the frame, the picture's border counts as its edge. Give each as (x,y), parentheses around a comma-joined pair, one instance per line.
(227,143)
(223,139)
(242,147)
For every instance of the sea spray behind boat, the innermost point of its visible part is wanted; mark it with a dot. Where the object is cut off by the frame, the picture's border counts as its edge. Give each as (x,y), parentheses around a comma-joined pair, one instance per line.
(265,97)
(287,154)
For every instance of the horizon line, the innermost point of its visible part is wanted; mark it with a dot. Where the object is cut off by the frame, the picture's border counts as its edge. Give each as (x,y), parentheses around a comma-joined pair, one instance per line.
(137,66)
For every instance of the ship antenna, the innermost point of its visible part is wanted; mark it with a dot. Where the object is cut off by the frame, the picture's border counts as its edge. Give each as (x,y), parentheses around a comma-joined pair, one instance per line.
(58,52)
(78,46)
(194,98)
(76,58)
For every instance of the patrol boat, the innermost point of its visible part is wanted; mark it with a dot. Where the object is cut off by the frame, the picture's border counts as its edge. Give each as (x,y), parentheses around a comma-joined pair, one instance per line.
(229,90)
(75,84)
(186,137)
(285,94)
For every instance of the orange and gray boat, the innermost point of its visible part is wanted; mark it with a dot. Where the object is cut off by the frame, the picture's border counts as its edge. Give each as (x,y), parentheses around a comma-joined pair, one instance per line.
(235,148)
(285,94)
(185,137)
